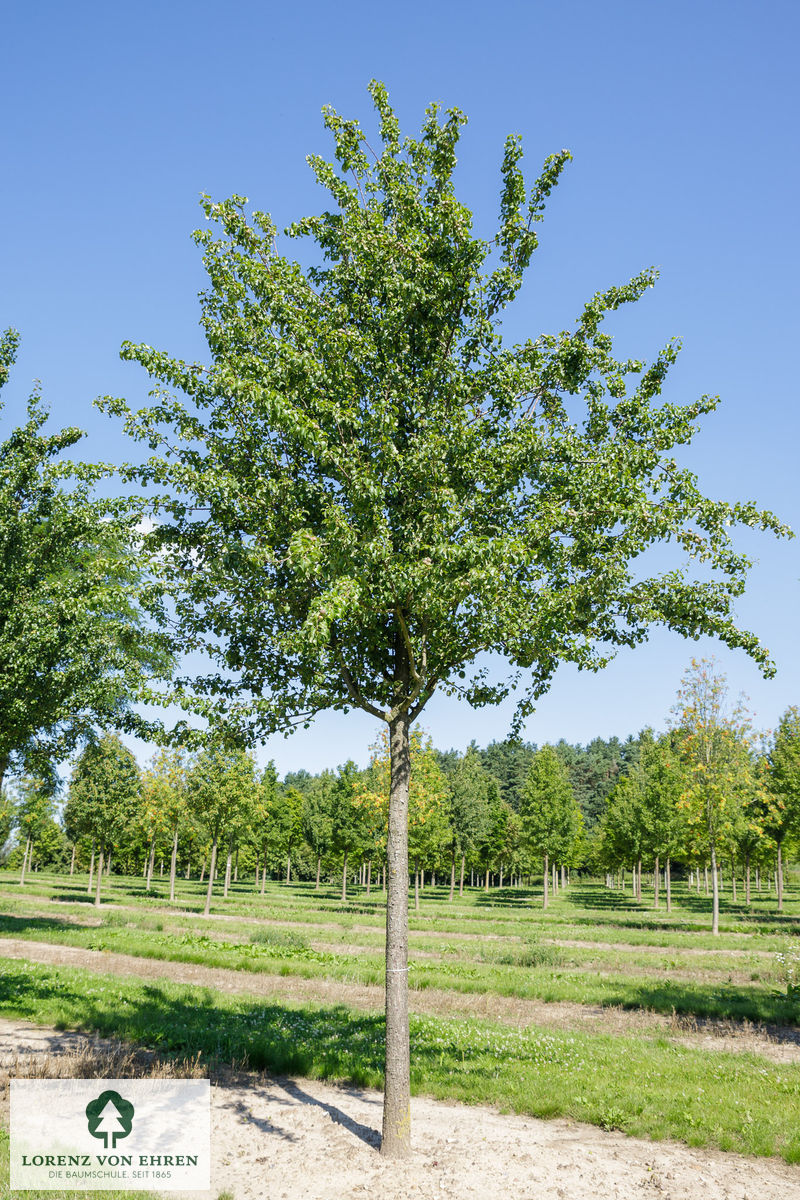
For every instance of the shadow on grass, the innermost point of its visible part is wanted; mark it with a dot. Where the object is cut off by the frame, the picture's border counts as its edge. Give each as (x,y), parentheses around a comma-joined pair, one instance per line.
(24,926)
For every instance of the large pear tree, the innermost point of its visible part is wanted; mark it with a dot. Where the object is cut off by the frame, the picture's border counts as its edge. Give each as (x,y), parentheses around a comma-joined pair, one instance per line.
(365,495)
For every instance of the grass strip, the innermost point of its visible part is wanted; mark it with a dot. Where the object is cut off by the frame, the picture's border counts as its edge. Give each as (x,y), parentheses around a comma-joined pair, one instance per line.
(646,1087)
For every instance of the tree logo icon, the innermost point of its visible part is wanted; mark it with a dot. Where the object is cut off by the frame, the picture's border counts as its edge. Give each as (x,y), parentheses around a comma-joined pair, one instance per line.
(110,1117)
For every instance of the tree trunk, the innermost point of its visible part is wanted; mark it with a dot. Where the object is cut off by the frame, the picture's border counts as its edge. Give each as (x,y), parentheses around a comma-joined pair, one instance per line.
(668,884)
(545,881)
(369,876)
(452,875)
(747,878)
(639,880)
(715,892)
(91,871)
(656,876)
(189,867)
(396,1140)
(150,861)
(486,884)
(289,865)
(211,872)
(228,868)
(72,863)
(416,885)
(236,867)
(779,875)
(264,872)
(344,876)
(563,877)
(461,879)
(758,878)
(173,864)
(319,868)
(733,879)
(203,868)
(705,874)
(99,877)
(25,861)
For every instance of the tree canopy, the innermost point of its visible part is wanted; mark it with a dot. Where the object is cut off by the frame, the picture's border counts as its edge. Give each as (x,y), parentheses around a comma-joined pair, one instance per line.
(365,489)
(74,649)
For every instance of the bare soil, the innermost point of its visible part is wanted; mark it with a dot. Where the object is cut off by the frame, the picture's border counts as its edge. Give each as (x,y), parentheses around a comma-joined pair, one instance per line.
(777,1043)
(294,1139)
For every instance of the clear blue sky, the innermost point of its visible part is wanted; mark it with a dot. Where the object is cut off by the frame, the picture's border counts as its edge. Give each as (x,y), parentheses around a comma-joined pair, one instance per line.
(682,119)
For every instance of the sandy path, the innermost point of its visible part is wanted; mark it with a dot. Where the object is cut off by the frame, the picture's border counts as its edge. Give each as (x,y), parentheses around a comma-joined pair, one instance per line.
(777,1043)
(287,1139)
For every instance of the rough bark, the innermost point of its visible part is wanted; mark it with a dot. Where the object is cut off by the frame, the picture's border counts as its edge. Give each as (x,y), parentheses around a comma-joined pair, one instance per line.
(396,1140)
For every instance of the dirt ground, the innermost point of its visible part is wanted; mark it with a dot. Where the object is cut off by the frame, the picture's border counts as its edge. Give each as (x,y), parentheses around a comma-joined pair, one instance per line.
(294,1139)
(777,1043)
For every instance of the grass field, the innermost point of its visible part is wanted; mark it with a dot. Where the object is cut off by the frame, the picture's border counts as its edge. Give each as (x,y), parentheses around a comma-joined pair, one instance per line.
(593,947)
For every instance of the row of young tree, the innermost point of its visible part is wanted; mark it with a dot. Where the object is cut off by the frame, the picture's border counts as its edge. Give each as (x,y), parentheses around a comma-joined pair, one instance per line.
(707,790)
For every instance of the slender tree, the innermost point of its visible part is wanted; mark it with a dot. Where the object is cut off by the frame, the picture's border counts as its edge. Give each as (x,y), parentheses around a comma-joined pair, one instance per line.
(104,791)
(550,816)
(716,745)
(367,489)
(221,786)
(784,816)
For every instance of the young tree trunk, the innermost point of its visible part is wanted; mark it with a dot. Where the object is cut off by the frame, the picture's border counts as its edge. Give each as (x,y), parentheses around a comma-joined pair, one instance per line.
(150,861)
(461,878)
(173,864)
(91,871)
(747,878)
(369,876)
(383,878)
(289,865)
(452,875)
(779,875)
(668,884)
(733,880)
(396,1140)
(715,892)
(486,884)
(545,881)
(344,876)
(99,877)
(416,885)
(319,868)
(72,863)
(639,880)
(563,877)
(203,868)
(705,874)
(264,872)
(212,869)
(758,878)
(236,867)
(25,861)
(189,867)
(656,879)
(228,867)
